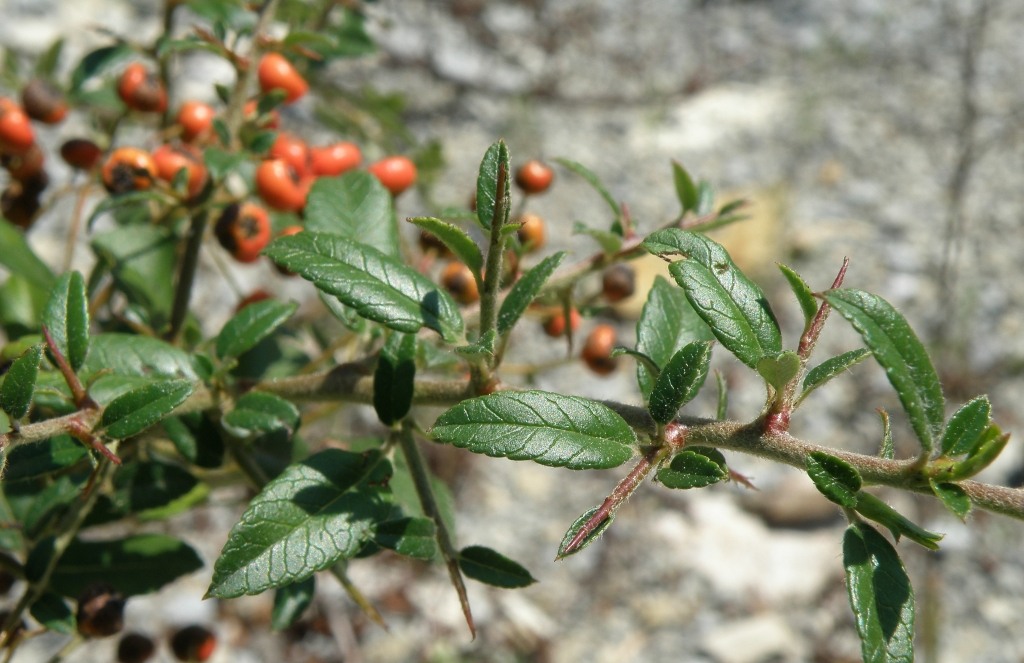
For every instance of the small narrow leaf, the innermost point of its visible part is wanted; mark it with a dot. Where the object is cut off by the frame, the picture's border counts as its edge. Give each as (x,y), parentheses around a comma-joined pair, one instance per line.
(355,206)
(412,537)
(802,291)
(495,160)
(311,516)
(722,410)
(900,353)
(393,379)
(19,258)
(953,498)
(137,410)
(609,241)
(455,238)
(377,286)
(987,448)
(290,602)
(888,448)
(829,369)
(731,304)
(19,383)
(548,428)
(251,325)
(594,181)
(493,568)
(780,369)
(694,468)
(524,291)
(257,413)
(834,478)
(67,318)
(880,595)
(966,426)
(875,509)
(680,380)
(595,530)
(686,190)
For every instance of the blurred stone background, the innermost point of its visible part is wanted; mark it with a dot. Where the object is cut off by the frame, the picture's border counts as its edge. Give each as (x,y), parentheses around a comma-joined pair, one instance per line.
(887,132)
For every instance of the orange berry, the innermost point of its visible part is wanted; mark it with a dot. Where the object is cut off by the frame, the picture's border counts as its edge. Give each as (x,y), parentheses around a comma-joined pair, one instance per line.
(531,232)
(196,120)
(555,325)
(243,230)
(458,279)
(597,349)
(293,150)
(16,133)
(43,101)
(128,169)
(280,186)
(396,173)
(335,159)
(275,72)
(534,177)
(170,159)
(142,90)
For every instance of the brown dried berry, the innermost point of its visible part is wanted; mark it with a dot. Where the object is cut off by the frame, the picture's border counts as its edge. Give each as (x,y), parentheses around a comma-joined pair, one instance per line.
(135,648)
(43,101)
(618,282)
(193,644)
(100,611)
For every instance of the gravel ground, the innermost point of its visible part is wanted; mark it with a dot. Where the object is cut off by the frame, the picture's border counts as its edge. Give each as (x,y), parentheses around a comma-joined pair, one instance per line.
(845,122)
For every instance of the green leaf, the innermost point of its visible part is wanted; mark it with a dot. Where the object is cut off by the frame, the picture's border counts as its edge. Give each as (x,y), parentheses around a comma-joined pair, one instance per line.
(19,258)
(953,498)
(46,65)
(131,354)
(875,509)
(834,478)
(609,242)
(887,449)
(67,318)
(731,304)
(355,206)
(694,468)
(19,383)
(394,377)
(548,428)
(666,324)
(134,565)
(32,461)
(966,427)
(804,294)
(493,568)
(455,238)
(880,595)
(780,369)
(686,190)
(251,325)
(311,516)
(129,203)
(987,448)
(524,291)
(594,181)
(290,602)
(495,160)
(377,286)
(258,412)
(137,410)
(53,613)
(829,369)
(412,537)
(577,526)
(140,257)
(97,62)
(900,353)
(146,485)
(680,380)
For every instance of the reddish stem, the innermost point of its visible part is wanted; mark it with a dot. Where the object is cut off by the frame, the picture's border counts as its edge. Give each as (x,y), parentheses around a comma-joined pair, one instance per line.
(78,431)
(78,392)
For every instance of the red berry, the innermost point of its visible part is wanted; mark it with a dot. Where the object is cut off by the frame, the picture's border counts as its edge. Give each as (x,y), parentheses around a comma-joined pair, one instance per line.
(170,159)
(280,186)
(597,350)
(81,153)
(275,72)
(142,90)
(534,177)
(292,150)
(196,120)
(531,232)
(396,173)
(335,159)
(128,169)
(193,644)
(43,101)
(243,230)
(555,325)
(16,133)
(458,279)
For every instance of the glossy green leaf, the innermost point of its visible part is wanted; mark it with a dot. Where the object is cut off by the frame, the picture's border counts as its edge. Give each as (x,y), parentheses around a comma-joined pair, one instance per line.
(196,438)
(593,535)
(680,380)
(898,350)
(455,238)
(875,509)
(666,324)
(524,291)
(377,286)
(694,468)
(880,595)
(495,160)
(780,369)
(20,260)
(412,537)
(594,181)
(145,485)
(19,383)
(355,206)
(259,412)
(67,318)
(131,354)
(609,242)
(394,378)
(140,257)
(314,514)
(548,428)
(137,410)
(32,461)
(953,498)
(834,478)
(829,369)
(493,568)
(966,427)
(686,190)
(53,613)
(97,62)
(290,602)
(802,291)
(731,304)
(251,325)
